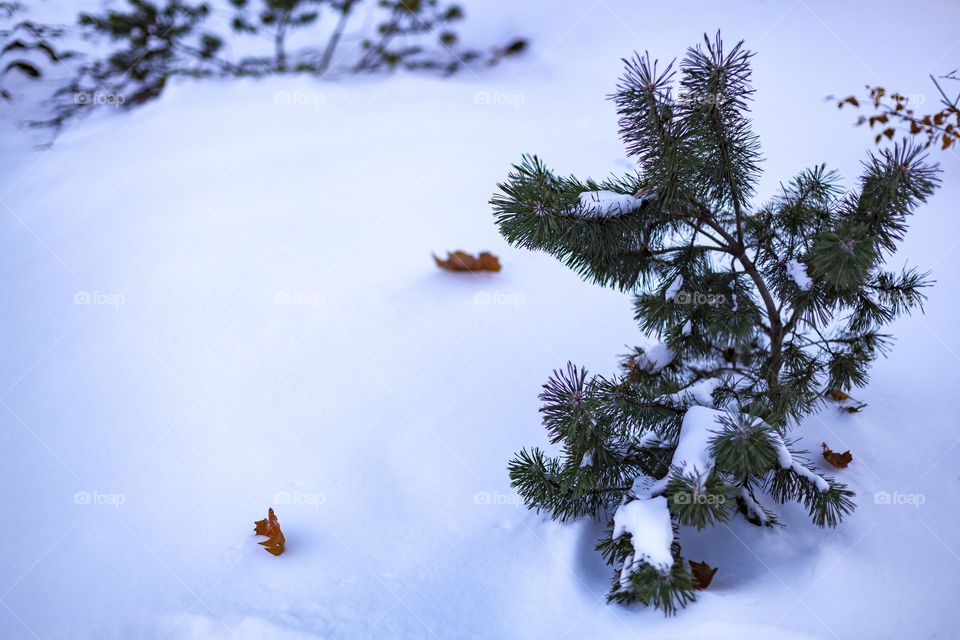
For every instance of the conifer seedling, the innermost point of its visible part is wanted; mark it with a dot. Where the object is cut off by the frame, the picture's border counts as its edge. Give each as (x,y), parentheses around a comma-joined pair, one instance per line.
(760,309)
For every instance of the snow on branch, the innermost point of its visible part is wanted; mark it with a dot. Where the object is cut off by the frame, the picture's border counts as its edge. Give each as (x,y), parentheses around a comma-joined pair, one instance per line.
(647,518)
(692,455)
(654,359)
(754,512)
(798,273)
(673,289)
(651,533)
(699,393)
(787,461)
(609,204)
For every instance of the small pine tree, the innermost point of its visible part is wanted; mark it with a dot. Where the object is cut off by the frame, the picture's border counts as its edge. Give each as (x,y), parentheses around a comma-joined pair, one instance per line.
(761,309)
(154,43)
(276,19)
(25,47)
(157,40)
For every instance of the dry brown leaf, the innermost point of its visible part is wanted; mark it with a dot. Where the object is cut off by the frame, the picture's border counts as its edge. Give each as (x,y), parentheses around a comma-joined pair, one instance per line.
(702,574)
(270,527)
(839,460)
(847,402)
(463,261)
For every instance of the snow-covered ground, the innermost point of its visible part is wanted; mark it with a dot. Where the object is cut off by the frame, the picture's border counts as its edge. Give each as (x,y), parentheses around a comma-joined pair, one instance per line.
(226,301)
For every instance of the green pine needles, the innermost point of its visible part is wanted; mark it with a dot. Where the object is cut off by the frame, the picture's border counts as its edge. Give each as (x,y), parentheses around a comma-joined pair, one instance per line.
(761,309)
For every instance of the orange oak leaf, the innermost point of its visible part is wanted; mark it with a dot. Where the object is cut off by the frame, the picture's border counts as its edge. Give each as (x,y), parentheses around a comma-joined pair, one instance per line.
(270,527)
(702,574)
(839,460)
(463,261)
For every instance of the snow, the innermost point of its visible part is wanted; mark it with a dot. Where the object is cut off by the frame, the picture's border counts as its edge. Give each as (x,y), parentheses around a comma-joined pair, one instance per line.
(753,509)
(798,273)
(647,516)
(674,288)
(655,358)
(692,455)
(700,393)
(651,532)
(787,461)
(735,304)
(383,408)
(608,204)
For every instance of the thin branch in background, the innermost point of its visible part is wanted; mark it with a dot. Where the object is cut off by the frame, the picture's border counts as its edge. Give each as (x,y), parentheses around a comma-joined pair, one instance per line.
(897,113)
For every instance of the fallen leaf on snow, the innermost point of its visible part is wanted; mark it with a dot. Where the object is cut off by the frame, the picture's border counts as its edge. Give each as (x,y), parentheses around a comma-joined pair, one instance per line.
(845,401)
(702,574)
(839,460)
(270,527)
(463,261)
(837,395)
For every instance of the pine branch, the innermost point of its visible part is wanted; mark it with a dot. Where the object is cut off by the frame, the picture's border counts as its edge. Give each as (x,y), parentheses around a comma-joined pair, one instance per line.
(716,91)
